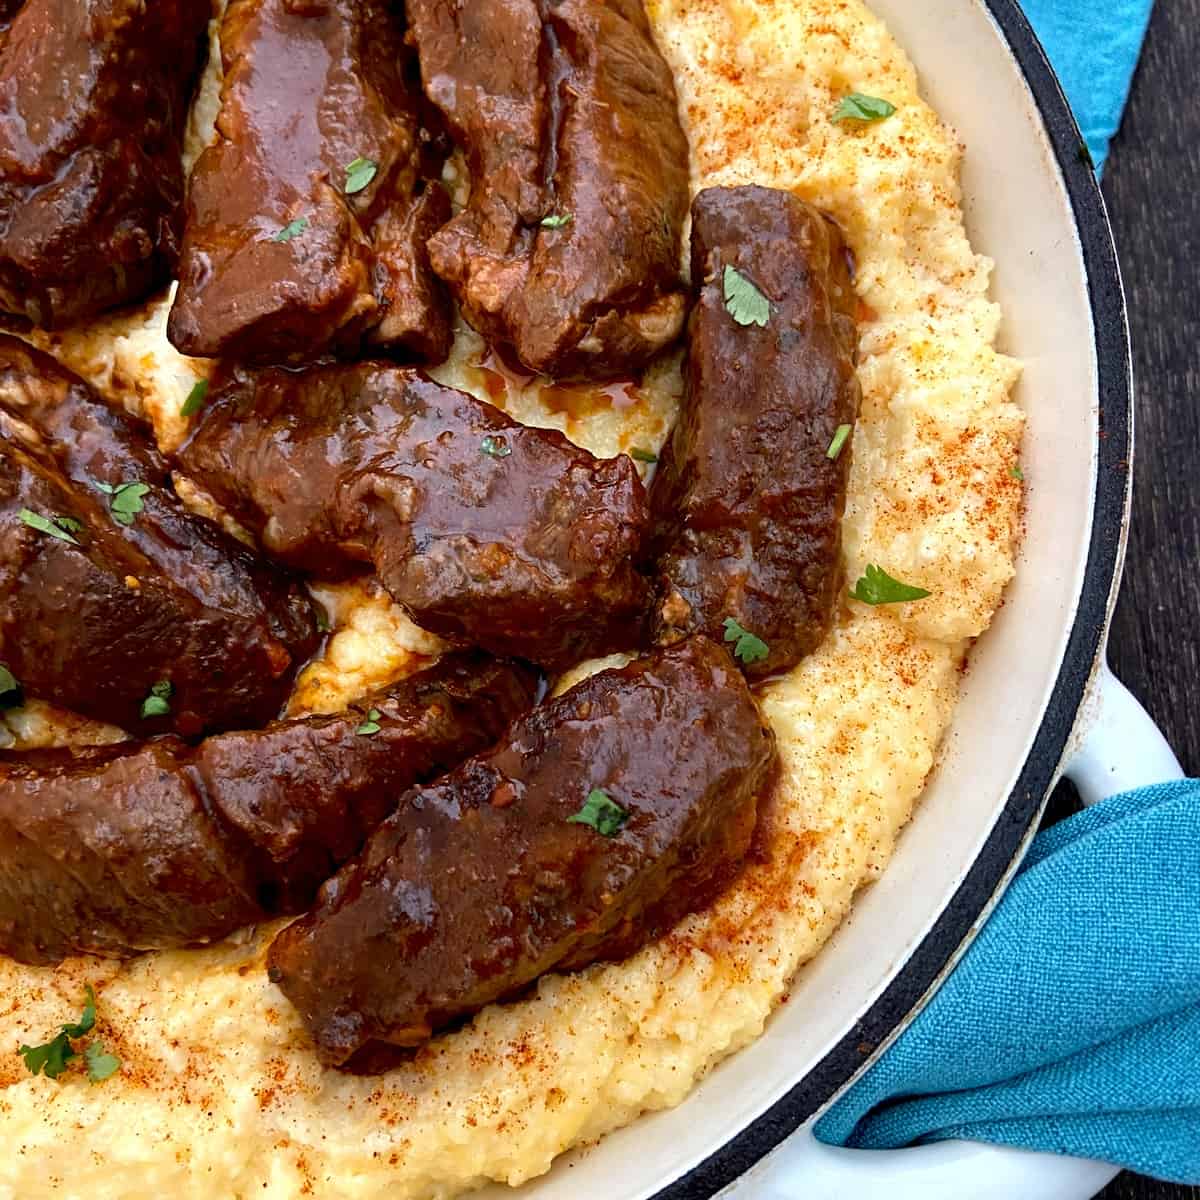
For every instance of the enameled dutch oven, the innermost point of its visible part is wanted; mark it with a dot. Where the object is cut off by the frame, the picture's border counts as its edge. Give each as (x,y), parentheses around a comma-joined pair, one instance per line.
(1036,701)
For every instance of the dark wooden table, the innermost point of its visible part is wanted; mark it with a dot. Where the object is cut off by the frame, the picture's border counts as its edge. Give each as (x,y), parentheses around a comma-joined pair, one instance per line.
(1152,184)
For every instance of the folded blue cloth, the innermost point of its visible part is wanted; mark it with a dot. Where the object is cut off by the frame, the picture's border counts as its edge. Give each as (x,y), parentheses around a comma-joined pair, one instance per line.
(1072,1024)
(1094,48)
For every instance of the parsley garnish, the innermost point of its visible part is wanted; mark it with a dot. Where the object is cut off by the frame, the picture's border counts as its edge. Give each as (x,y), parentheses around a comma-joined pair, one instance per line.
(601,812)
(495,446)
(323,625)
(877,587)
(290,230)
(100,1064)
(195,398)
(857,107)
(1016,472)
(556,220)
(749,649)
(157,703)
(126,500)
(59,527)
(12,695)
(746,304)
(359,174)
(371,724)
(839,440)
(51,1058)
(646,456)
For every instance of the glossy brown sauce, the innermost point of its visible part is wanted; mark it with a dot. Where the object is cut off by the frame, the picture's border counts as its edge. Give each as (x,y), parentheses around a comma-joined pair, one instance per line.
(501,377)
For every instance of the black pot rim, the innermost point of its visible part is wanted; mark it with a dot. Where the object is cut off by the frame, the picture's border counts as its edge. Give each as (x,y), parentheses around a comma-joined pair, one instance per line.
(955,924)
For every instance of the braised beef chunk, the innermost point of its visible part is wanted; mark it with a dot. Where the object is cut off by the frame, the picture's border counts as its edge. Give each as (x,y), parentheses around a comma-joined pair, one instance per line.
(147,845)
(93,101)
(600,819)
(747,501)
(568,247)
(307,218)
(131,589)
(484,530)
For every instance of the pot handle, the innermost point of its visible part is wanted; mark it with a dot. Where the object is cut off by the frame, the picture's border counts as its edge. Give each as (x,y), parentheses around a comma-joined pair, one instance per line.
(1120,748)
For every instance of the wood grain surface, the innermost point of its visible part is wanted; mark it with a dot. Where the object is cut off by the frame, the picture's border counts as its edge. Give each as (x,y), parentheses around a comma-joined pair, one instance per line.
(1152,185)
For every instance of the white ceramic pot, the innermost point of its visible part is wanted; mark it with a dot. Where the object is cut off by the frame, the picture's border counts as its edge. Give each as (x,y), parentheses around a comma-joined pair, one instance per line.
(1033,205)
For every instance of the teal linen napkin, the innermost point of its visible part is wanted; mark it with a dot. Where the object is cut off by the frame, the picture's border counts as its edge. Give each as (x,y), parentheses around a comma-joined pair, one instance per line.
(1072,1023)
(1094,49)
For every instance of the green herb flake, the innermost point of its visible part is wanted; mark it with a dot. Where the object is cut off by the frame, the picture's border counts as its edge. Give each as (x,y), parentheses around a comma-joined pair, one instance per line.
(746,304)
(51,1058)
(195,398)
(1016,472)
(857,107)
(371,724)
(877,587)
(290,230)
(748,648)
(359,174)
(646,456)
(495,447)
(125,501)
(100,1064)
(70,524)
(48,526)
(12,694)
(840,437)
(157,704)
(323,623)
(602,813)
(556,220)
(87,1020)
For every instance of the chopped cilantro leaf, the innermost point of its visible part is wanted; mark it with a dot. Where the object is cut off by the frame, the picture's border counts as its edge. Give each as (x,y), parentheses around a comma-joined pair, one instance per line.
(841,434)
(323,625)
(195,398)
(748,648)
(602,813)
(45,525)
(12,695)
(877,587)
(359,174)
(126,501)
(70,524)
(646,456)
(51,1058)
(87,1021)
(556,220)
(157,704)
(746,304)
(290,230)
(495,447)
(857,107)
(100,1064)
(1016,472)
(371,724)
